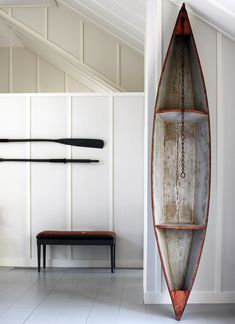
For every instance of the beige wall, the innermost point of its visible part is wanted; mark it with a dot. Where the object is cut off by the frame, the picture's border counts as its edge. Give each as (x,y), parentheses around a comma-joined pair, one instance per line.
(92,47)
(22,71)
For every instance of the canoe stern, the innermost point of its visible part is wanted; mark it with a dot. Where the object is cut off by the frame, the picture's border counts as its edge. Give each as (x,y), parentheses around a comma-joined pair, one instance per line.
(179,300)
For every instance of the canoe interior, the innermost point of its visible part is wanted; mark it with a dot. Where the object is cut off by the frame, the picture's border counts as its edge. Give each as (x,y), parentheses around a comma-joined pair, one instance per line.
(180,206)
(195,95)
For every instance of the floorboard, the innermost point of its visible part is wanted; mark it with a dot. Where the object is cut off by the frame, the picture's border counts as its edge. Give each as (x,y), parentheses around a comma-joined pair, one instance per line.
(90,296)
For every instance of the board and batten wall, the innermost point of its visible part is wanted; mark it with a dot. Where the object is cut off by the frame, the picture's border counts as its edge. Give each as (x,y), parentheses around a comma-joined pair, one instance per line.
(25,72)
(75,37)
(215,279)
(103,196)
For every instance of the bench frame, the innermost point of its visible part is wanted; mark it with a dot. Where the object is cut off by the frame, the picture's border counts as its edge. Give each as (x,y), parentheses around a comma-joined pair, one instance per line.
(74,241)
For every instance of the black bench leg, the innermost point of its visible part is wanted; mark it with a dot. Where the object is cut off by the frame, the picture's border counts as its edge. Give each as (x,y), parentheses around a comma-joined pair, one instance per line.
(39,257)
(44,256)
(114,256)
(112,259)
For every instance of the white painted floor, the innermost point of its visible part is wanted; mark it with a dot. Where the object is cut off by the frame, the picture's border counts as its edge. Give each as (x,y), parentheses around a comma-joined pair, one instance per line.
(90,296)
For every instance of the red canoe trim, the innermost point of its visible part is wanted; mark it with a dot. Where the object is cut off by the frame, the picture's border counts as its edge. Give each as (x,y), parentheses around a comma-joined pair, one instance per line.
(179,300)
(183,25)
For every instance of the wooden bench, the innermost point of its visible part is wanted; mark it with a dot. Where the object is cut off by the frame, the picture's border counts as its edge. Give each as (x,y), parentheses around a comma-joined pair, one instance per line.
(75,238)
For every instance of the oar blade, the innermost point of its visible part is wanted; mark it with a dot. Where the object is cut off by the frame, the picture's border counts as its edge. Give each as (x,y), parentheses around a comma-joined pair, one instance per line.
(83,142)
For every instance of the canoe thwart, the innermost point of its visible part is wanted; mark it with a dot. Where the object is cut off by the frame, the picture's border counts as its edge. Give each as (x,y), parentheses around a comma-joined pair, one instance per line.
(195,110)
(182,226)
(190,115)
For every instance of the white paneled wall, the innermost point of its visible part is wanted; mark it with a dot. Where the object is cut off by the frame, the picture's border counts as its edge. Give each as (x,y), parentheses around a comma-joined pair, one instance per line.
(14,215)
(62,24)
(50,78)
(49,32)
(49,119)
(215,278)
(129,211)
(22,71)
(31,17)
(104,196)
(99,43)
(4,66)
(90,118)
(226,151)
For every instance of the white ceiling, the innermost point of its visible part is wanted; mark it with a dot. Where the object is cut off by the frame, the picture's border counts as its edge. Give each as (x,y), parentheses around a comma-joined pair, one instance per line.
(126,18)
(123,18)
(220,13)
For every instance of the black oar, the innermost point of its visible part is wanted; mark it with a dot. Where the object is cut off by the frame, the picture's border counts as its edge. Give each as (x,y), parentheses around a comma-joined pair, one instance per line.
(84,142)
(51,160)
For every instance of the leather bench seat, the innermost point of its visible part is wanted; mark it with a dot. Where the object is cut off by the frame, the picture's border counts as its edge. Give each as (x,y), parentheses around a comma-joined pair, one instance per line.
(75,238)
(86,235)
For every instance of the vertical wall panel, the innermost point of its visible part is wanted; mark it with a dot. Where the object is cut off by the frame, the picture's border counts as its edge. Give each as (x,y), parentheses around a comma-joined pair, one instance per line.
(31,17)
(132,70)
(169,16)
(228,152)
(75,86)
(64,28)
(23,70)
(206,41)
(6,10)
(4,68)
(49,181)
(128,178)
(152,275)
(13,189)
(51,79)
(100,51)
(90,182)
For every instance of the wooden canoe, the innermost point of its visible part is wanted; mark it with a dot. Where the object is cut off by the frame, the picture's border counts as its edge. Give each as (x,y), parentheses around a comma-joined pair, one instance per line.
(181,204)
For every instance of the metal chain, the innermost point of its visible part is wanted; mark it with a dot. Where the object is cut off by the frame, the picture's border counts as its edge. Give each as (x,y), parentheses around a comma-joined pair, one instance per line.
(180,135)
(177,189)
(182,128)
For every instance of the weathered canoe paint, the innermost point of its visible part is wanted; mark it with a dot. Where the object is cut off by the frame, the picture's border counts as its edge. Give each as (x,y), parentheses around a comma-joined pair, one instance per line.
(180,212)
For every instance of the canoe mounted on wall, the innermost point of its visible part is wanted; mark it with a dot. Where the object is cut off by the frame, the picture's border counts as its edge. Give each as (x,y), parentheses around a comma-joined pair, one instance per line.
(181,164)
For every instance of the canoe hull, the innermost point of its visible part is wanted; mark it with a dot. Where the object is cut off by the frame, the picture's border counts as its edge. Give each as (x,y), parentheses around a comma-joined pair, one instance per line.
(181,205)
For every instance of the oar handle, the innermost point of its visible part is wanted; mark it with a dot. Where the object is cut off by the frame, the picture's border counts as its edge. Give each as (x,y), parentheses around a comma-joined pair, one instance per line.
(72,161)
(51,160)
(17,140)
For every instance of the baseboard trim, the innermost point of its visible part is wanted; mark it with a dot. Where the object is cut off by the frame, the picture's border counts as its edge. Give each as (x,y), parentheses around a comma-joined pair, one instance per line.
(196,297)
(22,262)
